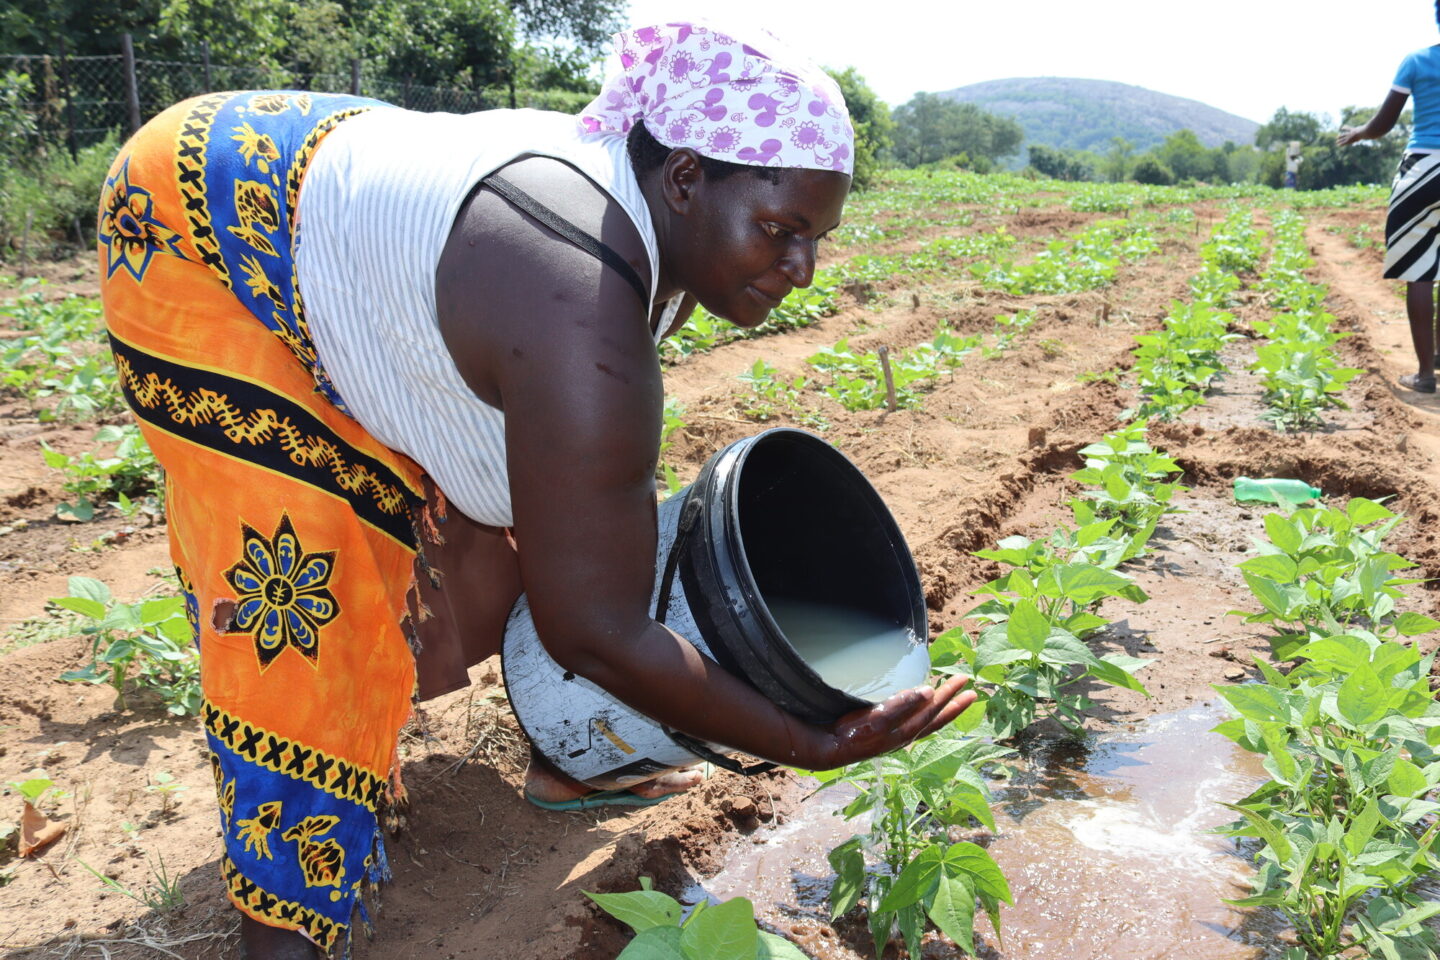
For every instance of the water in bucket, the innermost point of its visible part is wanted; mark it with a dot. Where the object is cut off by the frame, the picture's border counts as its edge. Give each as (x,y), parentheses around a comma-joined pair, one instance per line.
(852,651)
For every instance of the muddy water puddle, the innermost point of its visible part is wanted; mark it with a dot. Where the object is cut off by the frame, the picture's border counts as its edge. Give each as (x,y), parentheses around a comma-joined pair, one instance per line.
(1105,844)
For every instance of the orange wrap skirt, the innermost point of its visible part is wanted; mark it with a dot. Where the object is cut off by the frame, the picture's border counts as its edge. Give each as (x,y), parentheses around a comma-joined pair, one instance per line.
(291,527)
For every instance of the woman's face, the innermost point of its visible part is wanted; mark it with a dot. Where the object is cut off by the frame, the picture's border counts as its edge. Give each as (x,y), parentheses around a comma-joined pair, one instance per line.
(743,243)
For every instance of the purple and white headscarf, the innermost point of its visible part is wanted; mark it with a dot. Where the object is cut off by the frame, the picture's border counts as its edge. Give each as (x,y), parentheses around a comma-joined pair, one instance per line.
(751,102)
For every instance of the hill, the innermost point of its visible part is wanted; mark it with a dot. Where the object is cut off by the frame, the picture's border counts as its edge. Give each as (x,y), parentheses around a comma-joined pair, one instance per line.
(1084,114)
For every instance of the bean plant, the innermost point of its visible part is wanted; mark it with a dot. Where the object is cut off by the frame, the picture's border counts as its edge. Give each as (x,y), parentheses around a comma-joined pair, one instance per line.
(149,644)
(663,931)
(1323,571)
(911,798)
(128,479)
(1300,372)
(1130,484)
(58,363)
(1087,261)
(1344,830)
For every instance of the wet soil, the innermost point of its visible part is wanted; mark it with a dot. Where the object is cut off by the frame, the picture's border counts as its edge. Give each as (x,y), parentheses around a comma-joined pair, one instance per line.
(987,456)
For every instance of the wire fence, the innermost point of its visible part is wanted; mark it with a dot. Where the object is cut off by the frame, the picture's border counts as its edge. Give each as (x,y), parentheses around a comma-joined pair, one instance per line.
(80,100)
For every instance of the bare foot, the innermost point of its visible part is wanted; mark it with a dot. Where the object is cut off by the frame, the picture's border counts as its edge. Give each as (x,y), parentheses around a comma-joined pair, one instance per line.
(544,782)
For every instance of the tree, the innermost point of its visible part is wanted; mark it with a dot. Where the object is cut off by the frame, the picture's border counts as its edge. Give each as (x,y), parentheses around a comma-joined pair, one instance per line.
(1117,159)
(931,128)
(1286,126)
(1150,170)
(1186,156)
(1060,164)
(874,130)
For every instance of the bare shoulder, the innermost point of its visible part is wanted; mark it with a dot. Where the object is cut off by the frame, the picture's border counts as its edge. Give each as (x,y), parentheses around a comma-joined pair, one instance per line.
(507,286)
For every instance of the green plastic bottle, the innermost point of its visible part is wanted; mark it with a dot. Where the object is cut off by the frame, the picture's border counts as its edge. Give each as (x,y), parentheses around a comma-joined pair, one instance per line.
(1275,490)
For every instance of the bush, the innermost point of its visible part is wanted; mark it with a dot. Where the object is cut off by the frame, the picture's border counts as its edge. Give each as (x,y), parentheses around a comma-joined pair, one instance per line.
(56,191)
(1152,171)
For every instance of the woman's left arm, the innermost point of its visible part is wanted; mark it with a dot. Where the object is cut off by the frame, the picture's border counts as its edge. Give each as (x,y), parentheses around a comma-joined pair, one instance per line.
(1380,124)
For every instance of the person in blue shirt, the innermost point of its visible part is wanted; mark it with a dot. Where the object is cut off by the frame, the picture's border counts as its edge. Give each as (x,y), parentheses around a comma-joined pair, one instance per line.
(1412,226)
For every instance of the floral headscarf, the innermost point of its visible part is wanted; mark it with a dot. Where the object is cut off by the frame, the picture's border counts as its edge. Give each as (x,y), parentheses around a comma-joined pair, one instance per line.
(752,102)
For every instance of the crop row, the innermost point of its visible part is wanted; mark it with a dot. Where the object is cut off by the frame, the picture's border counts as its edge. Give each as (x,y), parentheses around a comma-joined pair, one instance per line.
(1176,365)
(1031,650)
(1301,375)
(1344,831)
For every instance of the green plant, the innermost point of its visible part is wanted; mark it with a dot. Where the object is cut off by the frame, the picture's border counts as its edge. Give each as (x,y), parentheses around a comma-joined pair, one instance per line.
(38,789)
(1343,829)
(130,475)
(1236,246)
(56,357)
(767,394)
(1324,571)
(1088,261)
(1301,376)
(723,931)
(162,896)
(1131,484)
(169,789)
(151,638)
(1034,623)
(912,796)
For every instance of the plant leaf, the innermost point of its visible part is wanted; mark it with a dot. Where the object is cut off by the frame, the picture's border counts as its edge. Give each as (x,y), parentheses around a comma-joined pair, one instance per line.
(639,909)
(1362,698)
(725,931)
(1028,627)
(89,588)
(915,881)
(953,911)
(656,943)
(771,947)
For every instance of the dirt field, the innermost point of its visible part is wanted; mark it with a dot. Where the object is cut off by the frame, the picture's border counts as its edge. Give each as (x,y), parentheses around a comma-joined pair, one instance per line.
(986,456)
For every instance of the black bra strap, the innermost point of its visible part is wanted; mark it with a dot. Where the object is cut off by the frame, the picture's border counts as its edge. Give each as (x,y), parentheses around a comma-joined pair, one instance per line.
(569,231)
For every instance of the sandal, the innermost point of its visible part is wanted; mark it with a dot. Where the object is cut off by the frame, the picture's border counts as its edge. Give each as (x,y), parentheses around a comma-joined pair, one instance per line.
(1413,381)
(613,798)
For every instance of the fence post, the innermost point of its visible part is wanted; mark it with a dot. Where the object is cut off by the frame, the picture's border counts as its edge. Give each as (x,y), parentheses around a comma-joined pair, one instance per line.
(205,63)
(132,85)
(355,76)
(67,90)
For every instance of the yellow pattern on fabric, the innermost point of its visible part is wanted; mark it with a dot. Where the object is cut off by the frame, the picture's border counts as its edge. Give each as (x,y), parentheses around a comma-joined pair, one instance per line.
(255,146)
(259,284)
(256,427)
(281,594)
(190,173)
(224,790)
(280,754)
(280,913)
(321,862)
(255,207)
(255,831)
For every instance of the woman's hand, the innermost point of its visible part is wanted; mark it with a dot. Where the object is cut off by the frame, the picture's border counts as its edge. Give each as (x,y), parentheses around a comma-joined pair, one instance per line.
(1349,135)
(907,716)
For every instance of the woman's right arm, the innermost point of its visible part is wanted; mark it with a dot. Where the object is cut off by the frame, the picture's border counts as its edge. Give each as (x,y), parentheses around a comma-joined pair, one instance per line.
(1380,124)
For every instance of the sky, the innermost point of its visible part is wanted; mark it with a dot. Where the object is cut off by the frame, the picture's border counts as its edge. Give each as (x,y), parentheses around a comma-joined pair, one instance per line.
(1247,57)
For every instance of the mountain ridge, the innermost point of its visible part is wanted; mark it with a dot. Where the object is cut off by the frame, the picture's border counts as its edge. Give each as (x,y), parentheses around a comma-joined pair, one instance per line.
(1081,114)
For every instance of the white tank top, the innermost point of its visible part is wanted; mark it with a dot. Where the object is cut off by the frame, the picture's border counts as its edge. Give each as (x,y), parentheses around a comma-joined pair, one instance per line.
(375,209)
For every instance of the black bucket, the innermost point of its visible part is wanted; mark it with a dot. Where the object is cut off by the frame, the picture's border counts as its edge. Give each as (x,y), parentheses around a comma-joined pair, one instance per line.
(778,516)
(786,515)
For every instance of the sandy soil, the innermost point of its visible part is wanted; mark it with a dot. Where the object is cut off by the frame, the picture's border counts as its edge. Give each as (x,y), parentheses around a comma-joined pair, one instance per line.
(986,457)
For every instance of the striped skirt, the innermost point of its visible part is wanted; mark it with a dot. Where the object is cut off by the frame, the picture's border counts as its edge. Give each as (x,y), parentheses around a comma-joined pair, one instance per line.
(292,529)
(1412,227)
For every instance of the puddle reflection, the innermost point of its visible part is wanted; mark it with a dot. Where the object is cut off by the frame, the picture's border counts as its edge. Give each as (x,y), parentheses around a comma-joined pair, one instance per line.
(1105,843)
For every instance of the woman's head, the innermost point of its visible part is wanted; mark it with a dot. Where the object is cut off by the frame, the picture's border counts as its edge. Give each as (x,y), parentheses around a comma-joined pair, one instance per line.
(754,103)
(748,150)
